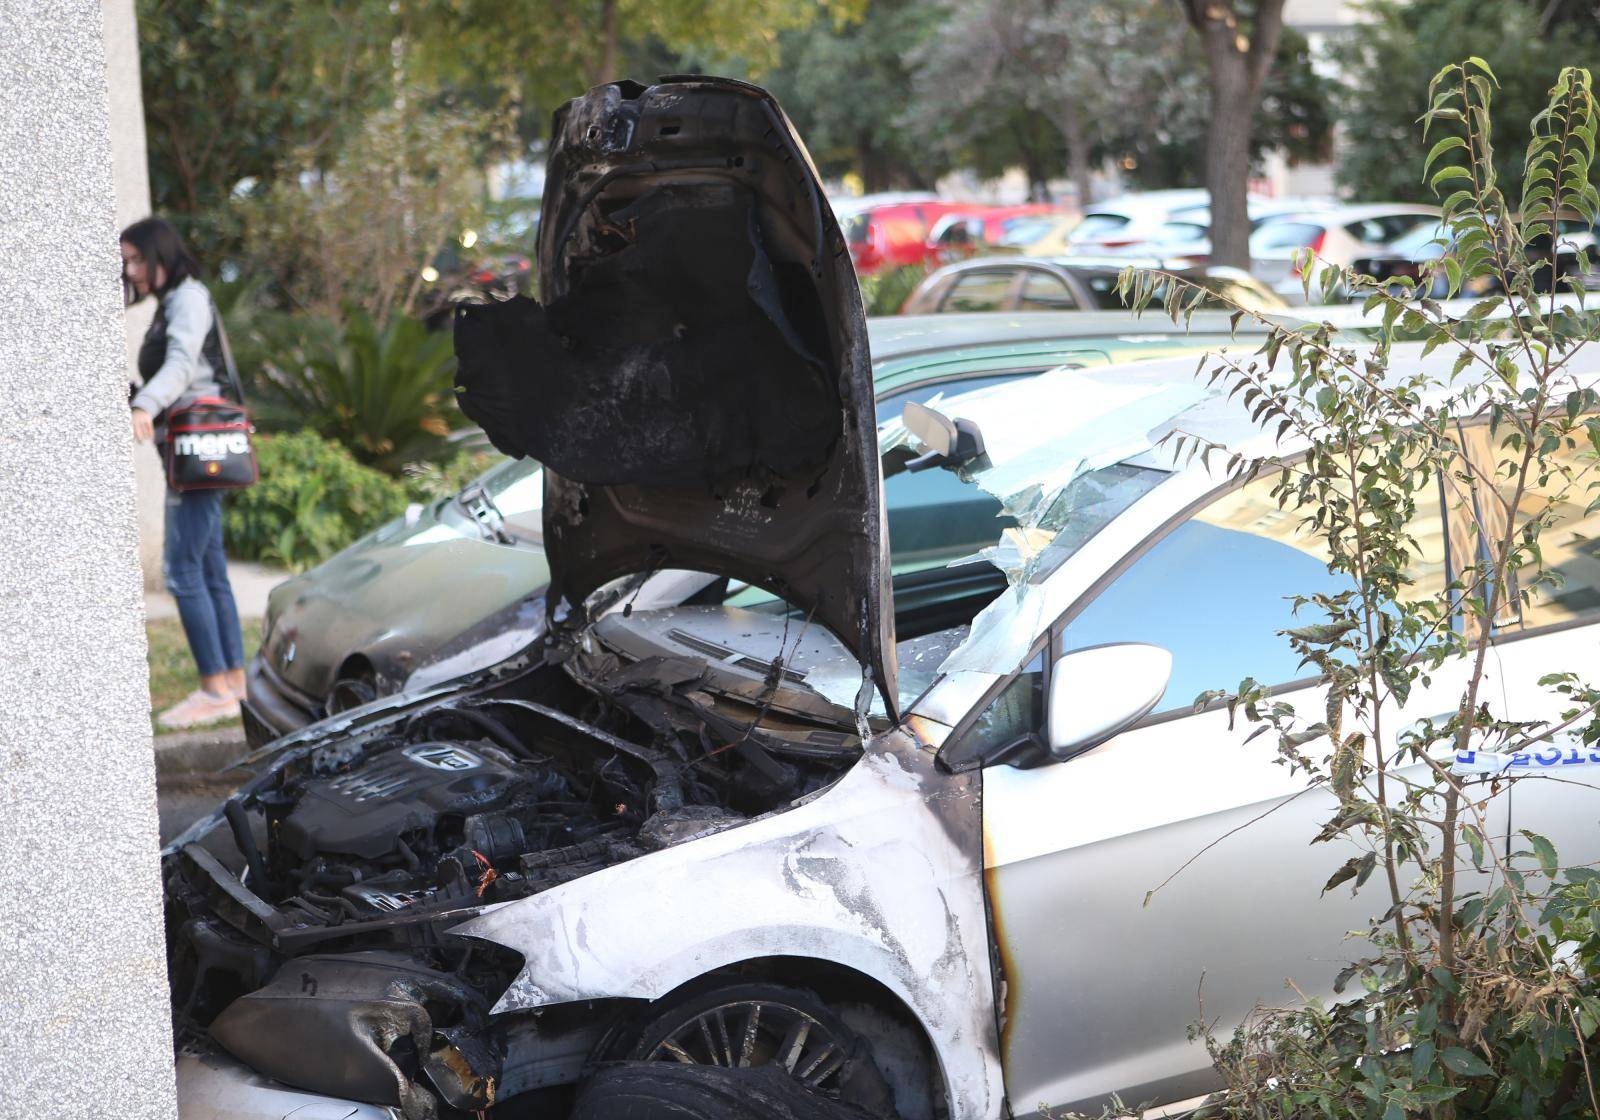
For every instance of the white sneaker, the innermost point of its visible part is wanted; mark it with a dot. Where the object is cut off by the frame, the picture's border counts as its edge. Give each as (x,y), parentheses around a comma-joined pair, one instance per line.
(197,708)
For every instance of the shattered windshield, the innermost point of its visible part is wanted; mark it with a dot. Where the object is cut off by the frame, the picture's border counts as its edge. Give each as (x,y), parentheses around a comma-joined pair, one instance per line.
(972,548)
(1062,480)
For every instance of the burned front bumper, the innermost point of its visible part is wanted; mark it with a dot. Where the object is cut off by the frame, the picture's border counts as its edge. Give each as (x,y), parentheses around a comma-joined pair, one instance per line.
(212,1087)
(272,706)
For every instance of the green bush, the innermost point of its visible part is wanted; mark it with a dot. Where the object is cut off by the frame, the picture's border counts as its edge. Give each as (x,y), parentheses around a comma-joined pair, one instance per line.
(384,392)
(313,499)
(428,482)
(884,293)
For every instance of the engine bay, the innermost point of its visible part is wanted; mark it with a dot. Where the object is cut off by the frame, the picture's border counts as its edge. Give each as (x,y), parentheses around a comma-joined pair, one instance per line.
(312,916)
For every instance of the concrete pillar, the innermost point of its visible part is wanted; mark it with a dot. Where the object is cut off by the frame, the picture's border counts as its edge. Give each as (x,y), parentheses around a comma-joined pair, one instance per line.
(82,965)
(130,176)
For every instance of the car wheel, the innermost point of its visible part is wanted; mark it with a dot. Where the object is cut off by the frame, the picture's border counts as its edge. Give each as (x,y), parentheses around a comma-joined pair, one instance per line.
(662,1091)
(787,1032)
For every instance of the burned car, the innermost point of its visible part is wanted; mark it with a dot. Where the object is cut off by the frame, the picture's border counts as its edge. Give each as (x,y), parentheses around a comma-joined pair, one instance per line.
(681,858)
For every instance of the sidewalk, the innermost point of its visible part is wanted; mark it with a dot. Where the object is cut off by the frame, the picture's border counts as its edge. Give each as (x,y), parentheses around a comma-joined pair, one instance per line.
(251,582)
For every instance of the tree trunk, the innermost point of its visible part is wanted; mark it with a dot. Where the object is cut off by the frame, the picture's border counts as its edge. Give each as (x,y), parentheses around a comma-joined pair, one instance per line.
(608,44)
(875,175)
(1069,121)
(1238,65)
(1228,157)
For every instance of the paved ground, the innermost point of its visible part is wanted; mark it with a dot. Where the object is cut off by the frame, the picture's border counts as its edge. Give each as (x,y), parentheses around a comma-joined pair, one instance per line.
(181,801)
(251,582)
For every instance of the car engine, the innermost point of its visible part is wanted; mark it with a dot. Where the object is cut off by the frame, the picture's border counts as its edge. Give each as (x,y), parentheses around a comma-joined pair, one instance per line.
(307,928)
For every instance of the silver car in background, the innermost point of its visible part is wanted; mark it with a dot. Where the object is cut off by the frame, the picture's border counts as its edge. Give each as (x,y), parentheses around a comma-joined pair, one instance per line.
(1335,235)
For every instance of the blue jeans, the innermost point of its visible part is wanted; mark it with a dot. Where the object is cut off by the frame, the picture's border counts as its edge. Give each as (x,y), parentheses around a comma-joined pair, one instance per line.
(196,572)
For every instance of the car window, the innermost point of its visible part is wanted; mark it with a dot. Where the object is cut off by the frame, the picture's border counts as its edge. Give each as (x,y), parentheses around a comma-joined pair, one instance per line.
(855,228)
(1015,714)
(1097,225)
(983,289)
(1020,231)
(1103,286)
(1215,592)
(1386,228)
(1572,550)
(1282,236)
(1429,235)
(1174,232)
(960,231)
(935,518)
(1044,292)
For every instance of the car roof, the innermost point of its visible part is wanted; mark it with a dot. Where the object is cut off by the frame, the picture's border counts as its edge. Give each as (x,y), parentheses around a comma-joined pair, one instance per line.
(1223,419)
(1353,212)
(900,336)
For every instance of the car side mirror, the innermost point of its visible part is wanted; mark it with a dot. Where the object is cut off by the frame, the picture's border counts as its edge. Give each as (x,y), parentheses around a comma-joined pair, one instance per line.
(1099,692)
(949,442)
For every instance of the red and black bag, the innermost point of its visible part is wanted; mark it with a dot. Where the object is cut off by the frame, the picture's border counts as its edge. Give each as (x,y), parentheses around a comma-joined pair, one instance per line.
(208,438)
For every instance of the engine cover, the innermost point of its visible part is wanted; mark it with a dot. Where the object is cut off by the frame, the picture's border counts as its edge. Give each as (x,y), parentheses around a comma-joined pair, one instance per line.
(364,811)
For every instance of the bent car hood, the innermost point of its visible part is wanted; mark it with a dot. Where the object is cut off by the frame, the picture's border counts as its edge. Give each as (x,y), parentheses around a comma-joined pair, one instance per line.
(696,381)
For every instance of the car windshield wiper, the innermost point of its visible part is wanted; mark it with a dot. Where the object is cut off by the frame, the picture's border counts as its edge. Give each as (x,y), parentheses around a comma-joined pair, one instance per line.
(477,504)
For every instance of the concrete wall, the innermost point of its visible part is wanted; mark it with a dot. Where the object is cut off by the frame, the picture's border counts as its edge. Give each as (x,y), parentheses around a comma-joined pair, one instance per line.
(82,966)
(131,177)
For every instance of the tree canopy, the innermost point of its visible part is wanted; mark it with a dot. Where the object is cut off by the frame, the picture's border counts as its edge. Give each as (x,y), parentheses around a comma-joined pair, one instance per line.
(1390,60)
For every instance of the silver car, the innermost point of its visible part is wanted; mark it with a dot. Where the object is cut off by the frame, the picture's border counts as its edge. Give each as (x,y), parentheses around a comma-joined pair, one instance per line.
(1335,236)
(690,858)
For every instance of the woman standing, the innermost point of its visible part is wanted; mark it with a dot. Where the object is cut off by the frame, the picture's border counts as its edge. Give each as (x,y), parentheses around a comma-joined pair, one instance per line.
(178,361)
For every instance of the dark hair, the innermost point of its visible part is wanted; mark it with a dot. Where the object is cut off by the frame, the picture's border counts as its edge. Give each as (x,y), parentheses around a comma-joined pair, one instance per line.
(159,244)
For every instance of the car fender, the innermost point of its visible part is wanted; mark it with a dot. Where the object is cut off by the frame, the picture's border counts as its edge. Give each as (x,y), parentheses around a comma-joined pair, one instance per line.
(881,873)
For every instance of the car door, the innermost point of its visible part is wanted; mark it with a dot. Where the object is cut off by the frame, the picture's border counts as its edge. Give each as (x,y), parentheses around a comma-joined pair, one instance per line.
(1100,984)
(1556,630)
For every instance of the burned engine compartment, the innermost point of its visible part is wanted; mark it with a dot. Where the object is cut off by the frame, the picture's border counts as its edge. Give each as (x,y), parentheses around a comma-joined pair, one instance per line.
(308,929)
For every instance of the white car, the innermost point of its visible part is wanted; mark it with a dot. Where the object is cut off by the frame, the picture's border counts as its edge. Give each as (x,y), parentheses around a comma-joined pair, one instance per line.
(1337,236)
(685,858)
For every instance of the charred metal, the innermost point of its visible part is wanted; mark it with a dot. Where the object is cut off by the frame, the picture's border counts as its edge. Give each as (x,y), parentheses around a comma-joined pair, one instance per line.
(309,935)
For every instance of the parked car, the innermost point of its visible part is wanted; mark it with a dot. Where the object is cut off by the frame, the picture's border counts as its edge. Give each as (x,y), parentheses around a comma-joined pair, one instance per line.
(1573,256)
(1186,234)
(689,859)
(893,234)
(1337,237)
(977,229)
(368,621)
(1129,219)
(1072,283)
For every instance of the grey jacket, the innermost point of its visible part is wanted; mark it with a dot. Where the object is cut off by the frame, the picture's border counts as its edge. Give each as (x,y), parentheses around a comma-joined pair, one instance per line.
(185,372)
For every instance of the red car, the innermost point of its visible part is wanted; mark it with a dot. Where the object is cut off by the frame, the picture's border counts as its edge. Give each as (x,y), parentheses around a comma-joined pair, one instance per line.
(892,234)
(970,229)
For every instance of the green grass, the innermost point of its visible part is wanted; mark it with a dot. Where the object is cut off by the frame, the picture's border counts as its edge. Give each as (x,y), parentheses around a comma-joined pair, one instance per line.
(172,672)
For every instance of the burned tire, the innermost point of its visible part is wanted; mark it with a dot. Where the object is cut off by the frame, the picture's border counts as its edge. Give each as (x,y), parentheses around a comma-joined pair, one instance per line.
(673,1091)
(735,1030)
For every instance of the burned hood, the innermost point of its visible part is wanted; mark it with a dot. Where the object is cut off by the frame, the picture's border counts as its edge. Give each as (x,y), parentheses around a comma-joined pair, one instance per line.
(695,379)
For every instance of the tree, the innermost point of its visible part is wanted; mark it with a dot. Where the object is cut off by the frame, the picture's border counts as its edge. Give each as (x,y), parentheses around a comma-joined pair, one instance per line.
(546,51)
(1091,71)
(358,232)
(1240,39)
(1295,116)
(230,86)
(1389,60)
(846,86)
